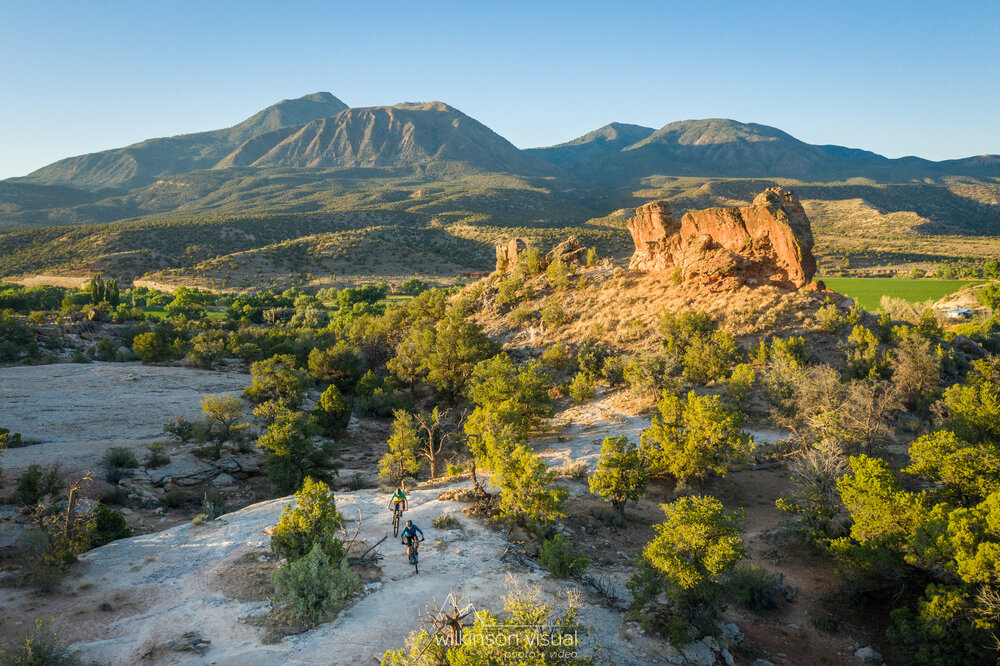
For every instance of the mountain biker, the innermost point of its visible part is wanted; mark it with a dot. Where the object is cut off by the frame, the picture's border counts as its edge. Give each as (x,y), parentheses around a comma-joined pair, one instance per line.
(409,535)
(398,497)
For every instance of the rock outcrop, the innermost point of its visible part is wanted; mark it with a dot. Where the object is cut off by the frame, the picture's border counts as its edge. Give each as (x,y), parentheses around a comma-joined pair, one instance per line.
(507,253)
(768,242)
(569,251)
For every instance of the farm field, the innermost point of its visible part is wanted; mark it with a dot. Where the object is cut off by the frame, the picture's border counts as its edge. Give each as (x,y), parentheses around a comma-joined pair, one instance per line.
(868,292)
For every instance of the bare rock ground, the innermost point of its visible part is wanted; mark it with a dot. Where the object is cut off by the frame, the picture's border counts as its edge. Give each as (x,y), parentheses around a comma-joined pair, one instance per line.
(165,584)
(78,411)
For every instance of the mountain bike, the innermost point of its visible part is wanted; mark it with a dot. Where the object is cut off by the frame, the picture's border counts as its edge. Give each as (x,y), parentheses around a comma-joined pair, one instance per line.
(413,552)
(396,513)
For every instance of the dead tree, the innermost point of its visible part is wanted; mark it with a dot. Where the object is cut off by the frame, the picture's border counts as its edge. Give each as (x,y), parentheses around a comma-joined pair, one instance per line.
(450,619)
(436,438)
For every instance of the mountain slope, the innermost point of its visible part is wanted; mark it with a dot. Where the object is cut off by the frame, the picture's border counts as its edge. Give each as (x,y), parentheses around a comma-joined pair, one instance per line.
(718,147)
(143,163)
(586,153)
(389,136)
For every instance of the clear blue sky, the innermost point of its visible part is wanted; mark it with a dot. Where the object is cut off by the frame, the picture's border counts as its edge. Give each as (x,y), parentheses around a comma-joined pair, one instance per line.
(899,78)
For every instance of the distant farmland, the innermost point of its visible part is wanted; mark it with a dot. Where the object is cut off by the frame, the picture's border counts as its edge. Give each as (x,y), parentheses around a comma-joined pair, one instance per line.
(868,292)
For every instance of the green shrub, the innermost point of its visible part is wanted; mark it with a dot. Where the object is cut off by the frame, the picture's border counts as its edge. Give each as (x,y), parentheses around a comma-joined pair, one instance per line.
(553,314)
(120,457)
(175,499)
(561,558)
(614,370)
(105,526)
(40,648)
(558,274)
(332,413)
(38,483)
(446,521)
(117,496)
(581,389)
(753,587)
(156,456)
(558,357)
(315,586)
(380,404)
(740,383)
(312,523)
(711,358)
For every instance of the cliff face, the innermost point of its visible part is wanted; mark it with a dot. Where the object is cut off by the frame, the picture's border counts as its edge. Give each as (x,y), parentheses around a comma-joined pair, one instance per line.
(768,242)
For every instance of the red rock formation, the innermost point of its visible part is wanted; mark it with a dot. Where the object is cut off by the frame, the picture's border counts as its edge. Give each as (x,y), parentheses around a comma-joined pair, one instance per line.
(767,242)
(508,252)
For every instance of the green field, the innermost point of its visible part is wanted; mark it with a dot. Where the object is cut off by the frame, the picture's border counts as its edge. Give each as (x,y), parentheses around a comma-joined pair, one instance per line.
(868,292)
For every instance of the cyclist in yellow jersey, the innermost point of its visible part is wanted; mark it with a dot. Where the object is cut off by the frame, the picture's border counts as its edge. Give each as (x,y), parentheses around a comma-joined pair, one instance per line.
(398,497)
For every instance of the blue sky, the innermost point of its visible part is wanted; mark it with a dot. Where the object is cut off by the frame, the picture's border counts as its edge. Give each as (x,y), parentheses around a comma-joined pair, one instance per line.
(898,78)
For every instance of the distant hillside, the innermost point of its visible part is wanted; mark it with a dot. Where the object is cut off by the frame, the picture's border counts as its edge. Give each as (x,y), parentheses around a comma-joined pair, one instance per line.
(389,136)
(717,147)
(142,163)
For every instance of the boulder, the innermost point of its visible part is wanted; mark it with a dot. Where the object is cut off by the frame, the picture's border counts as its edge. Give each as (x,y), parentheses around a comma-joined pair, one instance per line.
(508,253)
(698,654)
(768,242)
(184,469)
(969,346)
(868,656)
(223,481)
(570,252)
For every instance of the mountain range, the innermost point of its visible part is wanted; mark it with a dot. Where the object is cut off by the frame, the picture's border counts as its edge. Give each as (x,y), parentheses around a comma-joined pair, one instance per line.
(319,130)
(429,169)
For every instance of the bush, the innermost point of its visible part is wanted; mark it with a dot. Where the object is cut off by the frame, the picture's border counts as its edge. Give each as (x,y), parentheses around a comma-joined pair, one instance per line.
(182,429)
(156,456)
(38,483)
(175,499)
(105,526)
(694,438)
(117,496)
(561,558)
(315,586)
(614,370)
(446,521)
(332,413)
(740,383)
(753,587)
(553,314)
(120,457)
(310,524)
(40,648)
(558,357)
(581,389)
(558,274)
(380,404)
(708,359)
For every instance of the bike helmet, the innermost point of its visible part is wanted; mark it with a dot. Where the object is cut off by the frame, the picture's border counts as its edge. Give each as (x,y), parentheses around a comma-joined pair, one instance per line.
(409,523)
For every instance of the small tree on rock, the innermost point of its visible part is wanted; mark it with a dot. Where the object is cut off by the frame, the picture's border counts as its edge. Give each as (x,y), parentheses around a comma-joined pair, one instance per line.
(312,521)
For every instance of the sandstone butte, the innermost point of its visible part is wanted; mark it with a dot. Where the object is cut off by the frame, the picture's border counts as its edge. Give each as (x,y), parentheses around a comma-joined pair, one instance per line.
(768,242)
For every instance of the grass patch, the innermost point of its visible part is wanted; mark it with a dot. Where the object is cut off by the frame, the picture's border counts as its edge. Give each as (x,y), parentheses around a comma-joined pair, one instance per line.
(868,292)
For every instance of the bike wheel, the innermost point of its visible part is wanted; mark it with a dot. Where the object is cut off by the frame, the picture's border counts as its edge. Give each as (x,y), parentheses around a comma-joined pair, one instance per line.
(395,524)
